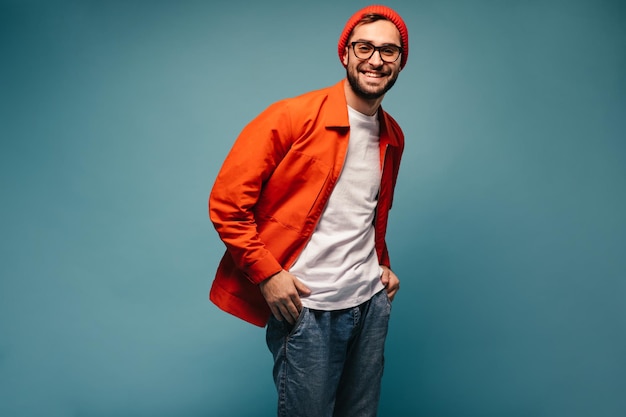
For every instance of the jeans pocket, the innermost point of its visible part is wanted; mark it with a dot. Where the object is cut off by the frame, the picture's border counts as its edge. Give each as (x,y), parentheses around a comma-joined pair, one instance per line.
(388,302)
(278,332)
(298,324)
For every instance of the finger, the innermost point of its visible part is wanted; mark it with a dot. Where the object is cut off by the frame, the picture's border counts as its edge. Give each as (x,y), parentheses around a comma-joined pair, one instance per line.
(276,313)
(286,313)
(384,278)
(301,288)
(294,308)
(391,292)
(297,302)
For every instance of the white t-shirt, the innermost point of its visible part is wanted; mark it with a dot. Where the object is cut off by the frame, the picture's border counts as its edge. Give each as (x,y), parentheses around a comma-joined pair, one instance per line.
(339,263)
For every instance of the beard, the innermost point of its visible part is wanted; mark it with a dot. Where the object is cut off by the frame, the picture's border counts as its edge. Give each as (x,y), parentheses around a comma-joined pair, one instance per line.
(361,90)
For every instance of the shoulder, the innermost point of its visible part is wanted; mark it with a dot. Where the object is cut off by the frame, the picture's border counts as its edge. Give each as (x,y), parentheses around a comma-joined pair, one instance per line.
(326,106)
(307,99)
(296,104)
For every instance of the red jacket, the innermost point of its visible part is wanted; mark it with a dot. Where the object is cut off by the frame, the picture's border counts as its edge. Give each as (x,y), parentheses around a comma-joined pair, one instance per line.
(274,185)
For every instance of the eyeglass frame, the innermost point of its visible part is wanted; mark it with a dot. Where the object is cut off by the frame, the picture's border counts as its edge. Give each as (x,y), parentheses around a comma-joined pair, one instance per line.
(377,48)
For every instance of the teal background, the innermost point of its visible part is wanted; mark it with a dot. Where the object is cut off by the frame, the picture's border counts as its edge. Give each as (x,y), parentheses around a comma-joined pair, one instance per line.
(508,229)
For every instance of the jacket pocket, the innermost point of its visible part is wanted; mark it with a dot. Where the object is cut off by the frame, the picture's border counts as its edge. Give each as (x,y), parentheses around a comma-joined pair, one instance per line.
(293,190)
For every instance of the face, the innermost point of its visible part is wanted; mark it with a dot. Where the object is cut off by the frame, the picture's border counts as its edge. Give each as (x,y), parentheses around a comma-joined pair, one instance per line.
(372,78)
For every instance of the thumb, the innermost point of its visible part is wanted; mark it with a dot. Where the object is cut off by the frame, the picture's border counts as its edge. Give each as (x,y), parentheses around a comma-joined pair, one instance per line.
(302,289)
(384,278)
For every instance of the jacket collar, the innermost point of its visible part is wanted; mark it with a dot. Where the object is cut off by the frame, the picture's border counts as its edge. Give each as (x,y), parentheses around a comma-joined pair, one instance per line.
(337,114)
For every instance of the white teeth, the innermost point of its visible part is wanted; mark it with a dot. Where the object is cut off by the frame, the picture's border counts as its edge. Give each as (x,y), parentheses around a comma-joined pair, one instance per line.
(372,75)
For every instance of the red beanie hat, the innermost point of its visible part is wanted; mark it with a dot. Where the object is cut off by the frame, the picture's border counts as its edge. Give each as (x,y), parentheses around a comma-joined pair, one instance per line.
(383,11)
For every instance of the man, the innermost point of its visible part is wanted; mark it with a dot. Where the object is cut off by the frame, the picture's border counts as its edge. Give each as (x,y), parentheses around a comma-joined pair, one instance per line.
(301,203)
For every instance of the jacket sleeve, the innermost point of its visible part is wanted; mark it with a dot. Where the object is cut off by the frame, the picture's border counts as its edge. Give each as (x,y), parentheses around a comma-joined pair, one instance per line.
(255,154)
(397,157)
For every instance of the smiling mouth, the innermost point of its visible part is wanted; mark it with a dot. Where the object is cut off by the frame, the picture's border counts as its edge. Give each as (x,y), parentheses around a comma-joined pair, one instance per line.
(370,74)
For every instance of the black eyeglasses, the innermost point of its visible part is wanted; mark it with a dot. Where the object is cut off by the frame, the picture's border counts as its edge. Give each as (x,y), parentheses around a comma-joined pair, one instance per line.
(365,50)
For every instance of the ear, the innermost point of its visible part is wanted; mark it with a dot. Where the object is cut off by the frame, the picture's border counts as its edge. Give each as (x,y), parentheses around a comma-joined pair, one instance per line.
(345,56)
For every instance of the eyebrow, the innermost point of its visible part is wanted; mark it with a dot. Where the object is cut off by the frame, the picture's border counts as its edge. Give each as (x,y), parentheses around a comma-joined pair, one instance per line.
(368,41)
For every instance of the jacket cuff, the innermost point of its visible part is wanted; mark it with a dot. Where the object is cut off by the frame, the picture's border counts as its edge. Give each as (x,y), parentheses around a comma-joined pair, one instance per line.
(263,269)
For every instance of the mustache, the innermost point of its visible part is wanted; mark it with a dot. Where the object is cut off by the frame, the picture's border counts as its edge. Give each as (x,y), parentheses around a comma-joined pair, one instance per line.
(367,67)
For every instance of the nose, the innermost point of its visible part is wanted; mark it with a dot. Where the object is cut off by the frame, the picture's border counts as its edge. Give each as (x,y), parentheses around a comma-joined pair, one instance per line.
(376,59)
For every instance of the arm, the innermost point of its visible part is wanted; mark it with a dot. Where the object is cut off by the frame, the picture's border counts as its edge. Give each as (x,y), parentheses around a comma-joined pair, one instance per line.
(253,158)
(388,277)
(255,154)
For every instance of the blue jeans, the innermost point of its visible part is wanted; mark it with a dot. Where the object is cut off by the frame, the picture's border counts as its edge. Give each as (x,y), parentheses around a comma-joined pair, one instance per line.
(330,363)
